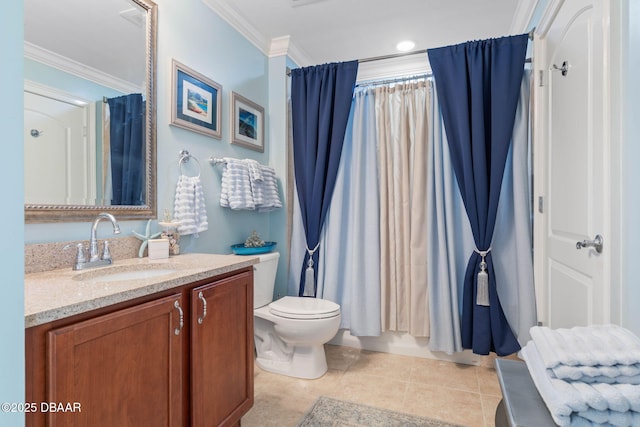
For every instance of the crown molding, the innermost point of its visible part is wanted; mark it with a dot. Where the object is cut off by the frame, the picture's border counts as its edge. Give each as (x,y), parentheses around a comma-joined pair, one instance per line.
(54,60)
(299,56)
(279,46)
(240,24)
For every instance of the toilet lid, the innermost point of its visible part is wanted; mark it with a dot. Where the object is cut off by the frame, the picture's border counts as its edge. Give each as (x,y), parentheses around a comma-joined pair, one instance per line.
(304,308)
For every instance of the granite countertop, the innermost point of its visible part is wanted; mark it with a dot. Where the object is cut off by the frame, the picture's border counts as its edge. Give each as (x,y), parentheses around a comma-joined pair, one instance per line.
(56,294)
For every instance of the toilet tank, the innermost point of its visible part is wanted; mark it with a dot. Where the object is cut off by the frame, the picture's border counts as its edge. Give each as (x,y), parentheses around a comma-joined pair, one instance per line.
(264,279)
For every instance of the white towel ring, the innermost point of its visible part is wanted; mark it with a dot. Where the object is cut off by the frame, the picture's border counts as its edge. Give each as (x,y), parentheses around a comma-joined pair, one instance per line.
(184,157)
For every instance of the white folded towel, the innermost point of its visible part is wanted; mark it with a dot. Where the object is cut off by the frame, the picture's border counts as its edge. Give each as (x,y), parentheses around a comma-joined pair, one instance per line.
(597,353)
(189,207)
(575,403)
(620,374)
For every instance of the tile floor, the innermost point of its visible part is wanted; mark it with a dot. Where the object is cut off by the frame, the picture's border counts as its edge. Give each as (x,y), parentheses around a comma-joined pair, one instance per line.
(461,394)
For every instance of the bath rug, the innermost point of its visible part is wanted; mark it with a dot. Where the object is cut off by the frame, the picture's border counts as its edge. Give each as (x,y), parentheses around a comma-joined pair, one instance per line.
(328,412)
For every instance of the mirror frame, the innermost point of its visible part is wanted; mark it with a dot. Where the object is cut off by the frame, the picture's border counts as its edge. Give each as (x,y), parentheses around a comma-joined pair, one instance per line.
(34,213)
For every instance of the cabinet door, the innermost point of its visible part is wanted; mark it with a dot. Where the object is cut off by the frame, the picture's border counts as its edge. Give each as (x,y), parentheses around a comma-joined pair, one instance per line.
(122,368)
(222,351)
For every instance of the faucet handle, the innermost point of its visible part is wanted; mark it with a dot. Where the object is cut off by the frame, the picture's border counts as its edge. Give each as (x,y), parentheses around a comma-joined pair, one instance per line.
(106,253)
(81,258)
(80,255)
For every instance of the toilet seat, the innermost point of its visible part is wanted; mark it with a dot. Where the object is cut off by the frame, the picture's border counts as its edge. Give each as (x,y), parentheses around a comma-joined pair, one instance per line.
(304,308)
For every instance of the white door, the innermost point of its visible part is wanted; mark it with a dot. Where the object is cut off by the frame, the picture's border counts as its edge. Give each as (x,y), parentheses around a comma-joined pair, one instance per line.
(59,165)
(573,282)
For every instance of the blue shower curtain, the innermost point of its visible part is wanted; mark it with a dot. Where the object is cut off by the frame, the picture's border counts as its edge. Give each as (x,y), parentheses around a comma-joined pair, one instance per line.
(349,271)
(478,83)
(320,105)
(127,149)
(513,235)
(451,238)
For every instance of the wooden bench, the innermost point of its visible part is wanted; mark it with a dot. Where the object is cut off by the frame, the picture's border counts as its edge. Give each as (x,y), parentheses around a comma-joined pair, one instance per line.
(521,404)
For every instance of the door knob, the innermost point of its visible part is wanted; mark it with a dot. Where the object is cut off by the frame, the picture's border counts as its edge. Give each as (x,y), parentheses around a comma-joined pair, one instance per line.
(595,243)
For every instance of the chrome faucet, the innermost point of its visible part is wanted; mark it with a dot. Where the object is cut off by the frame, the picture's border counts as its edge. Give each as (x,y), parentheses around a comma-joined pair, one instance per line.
(93,243)
(94,258)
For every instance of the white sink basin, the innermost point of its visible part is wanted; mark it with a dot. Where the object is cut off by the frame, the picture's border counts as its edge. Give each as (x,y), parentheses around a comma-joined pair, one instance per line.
(119,274)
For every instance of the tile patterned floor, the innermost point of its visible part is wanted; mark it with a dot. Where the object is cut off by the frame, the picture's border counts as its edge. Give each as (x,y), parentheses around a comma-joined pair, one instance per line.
(456,393)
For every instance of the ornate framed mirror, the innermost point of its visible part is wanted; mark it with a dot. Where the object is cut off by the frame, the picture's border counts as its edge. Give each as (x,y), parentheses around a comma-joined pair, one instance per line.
(90,109)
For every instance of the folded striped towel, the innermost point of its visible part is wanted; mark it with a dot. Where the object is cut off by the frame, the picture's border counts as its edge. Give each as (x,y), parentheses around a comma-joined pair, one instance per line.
(596,353)
(576,403)
(248,185)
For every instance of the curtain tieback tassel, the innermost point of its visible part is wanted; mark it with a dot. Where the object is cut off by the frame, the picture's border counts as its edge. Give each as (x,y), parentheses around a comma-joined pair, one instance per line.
(482,291)
(309,274)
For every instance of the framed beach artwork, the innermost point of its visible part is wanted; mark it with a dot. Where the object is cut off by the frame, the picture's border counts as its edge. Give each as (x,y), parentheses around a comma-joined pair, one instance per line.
(196,101)
(247,123)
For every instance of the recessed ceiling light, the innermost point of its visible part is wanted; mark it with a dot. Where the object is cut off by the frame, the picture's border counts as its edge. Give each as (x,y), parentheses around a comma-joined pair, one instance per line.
(405,45)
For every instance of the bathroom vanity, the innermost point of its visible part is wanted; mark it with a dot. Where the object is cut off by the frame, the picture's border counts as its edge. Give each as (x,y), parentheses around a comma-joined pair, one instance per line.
(143,342)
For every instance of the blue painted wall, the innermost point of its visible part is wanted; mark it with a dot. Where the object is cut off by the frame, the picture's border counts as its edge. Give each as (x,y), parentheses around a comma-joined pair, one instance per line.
(12,213)
(194,35)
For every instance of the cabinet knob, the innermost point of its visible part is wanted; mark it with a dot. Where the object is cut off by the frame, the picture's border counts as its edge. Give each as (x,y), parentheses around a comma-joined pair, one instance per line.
(204,308)
(179,328)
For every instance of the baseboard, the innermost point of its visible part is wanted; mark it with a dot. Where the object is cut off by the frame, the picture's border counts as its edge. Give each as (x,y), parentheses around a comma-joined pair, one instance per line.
(407,345)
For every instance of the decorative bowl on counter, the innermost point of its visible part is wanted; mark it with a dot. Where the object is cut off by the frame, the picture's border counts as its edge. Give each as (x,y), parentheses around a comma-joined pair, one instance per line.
(241,249)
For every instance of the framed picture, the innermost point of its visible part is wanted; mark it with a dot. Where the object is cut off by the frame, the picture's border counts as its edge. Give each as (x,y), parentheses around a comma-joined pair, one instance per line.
(196,101)
(247,123)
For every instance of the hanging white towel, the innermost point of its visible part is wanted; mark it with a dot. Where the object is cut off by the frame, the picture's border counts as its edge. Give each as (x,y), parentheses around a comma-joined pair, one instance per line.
(189,206)
(248,185)
(265,191)
(255,170)
(236,190)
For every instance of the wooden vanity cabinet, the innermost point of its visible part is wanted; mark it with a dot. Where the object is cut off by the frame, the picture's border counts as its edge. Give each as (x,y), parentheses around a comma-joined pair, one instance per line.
(222,351)
(156,361)
(122,368)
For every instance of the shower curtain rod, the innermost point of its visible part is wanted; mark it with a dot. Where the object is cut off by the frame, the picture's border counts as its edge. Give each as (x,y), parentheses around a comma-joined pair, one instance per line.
(395,80)
(415,52)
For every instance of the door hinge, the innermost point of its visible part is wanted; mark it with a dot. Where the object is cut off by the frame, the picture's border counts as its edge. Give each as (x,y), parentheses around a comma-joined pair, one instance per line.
(541,78)
(540,204)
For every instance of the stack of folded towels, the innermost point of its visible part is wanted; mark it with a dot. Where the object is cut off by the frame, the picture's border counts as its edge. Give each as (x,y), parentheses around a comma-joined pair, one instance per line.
(248,185)
(587,376)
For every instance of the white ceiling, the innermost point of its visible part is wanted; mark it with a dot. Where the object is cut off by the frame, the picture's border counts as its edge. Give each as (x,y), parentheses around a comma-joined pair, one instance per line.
(309,31)
(108,36)
(323,31)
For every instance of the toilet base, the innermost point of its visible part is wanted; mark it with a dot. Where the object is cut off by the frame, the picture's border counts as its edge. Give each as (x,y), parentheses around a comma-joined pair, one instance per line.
(306,362)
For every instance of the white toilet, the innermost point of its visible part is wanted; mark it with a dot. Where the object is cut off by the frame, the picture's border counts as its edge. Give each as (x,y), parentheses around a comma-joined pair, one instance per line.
(290,333)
